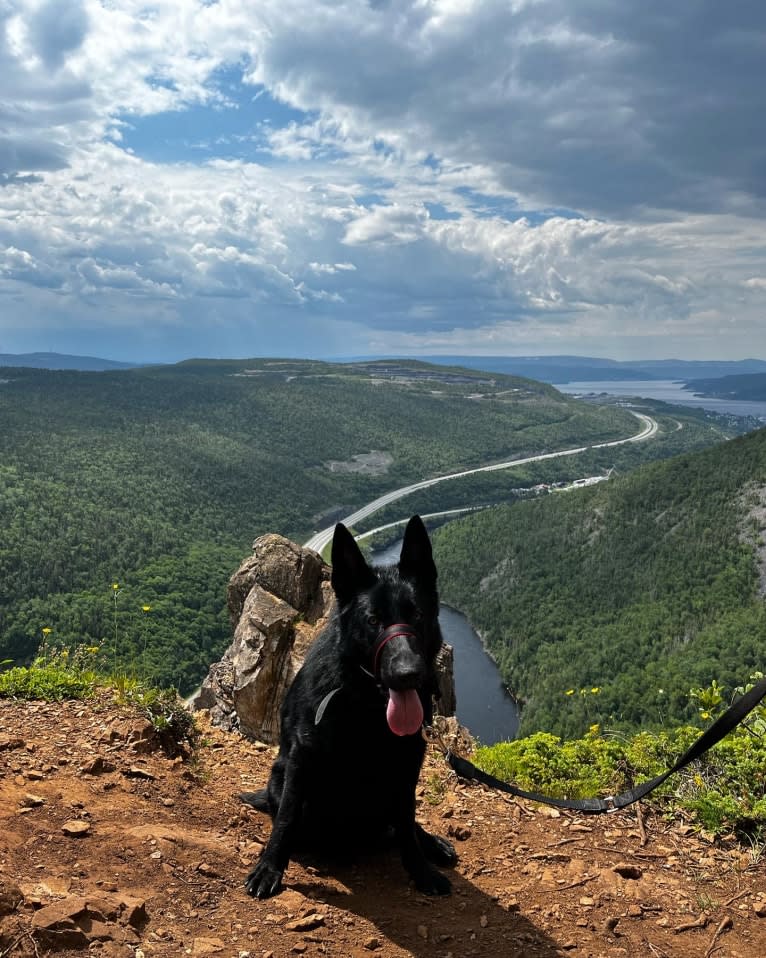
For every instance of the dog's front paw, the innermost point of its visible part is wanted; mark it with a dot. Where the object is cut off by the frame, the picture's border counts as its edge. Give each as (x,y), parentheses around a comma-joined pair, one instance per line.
(436,849)
(264,881)
(430,881)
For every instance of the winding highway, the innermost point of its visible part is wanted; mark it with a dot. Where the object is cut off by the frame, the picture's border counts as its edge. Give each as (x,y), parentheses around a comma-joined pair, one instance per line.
(317,542)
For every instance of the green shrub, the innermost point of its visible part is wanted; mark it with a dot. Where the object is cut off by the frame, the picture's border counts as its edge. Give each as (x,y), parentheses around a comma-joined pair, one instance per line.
(724,790)
(45,681)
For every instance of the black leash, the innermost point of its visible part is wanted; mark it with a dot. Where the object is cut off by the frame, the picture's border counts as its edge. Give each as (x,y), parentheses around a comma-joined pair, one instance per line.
(613,803)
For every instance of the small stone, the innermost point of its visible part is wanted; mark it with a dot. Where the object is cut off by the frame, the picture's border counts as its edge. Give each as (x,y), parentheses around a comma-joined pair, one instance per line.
(759,907)
(306,923)
(75,828)
(135,772)
(483,921)
(587,902)
(97,766)
(32,801)
(423,932)
(372,943)
(168,802)
(460,832)
(34,776)
(207,946)
(635,911)
(207,870)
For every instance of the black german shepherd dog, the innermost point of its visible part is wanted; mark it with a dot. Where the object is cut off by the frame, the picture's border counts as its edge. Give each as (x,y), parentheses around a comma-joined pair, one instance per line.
(350,746)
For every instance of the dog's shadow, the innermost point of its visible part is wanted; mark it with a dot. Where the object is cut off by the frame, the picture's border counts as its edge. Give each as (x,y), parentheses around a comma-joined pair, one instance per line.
(467,922)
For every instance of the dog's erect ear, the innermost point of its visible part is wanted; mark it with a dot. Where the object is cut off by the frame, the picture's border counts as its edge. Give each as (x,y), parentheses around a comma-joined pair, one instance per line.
(416,560)
(350,572)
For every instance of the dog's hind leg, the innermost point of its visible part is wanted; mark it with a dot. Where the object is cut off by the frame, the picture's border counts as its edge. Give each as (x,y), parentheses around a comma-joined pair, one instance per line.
(268,799)
(258,800)
(437,850)
(265,879)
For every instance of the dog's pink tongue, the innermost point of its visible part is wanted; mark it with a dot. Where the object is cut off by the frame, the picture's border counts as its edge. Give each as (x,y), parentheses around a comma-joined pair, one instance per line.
(404,712)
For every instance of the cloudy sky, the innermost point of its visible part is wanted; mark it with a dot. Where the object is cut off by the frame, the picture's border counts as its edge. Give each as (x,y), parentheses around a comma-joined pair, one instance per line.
(361,177)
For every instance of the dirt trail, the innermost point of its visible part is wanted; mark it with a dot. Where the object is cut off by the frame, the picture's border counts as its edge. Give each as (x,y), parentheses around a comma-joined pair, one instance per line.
(111,848)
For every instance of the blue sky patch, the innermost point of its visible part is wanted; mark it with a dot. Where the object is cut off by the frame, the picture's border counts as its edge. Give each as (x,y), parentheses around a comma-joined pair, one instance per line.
(232,130)
(439,212)
(486,206)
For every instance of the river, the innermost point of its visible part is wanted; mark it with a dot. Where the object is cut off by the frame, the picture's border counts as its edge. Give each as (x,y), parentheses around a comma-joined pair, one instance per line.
(668,391)
(483,704)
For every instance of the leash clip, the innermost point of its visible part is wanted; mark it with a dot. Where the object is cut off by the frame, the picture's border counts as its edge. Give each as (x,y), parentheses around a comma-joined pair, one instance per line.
(610,802)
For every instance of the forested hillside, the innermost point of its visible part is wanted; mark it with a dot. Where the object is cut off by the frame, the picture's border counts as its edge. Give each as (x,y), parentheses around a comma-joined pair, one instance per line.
(156,481)
(606,604)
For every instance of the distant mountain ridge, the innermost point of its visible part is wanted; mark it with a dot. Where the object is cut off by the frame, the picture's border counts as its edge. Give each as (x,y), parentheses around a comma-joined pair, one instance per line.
(566,369)
(750,386)
(547,369)
(62,361)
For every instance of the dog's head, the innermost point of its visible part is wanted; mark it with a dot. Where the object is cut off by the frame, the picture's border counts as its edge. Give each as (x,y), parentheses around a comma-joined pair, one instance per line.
(390,619)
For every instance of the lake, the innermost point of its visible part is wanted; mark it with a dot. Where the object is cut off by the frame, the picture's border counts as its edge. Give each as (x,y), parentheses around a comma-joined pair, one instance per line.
(483,703)
(668,391)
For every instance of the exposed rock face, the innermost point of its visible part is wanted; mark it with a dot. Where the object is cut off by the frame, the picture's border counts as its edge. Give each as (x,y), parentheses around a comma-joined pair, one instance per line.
(279,600)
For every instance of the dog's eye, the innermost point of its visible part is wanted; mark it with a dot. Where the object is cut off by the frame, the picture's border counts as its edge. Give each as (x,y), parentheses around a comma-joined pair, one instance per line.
(373,620)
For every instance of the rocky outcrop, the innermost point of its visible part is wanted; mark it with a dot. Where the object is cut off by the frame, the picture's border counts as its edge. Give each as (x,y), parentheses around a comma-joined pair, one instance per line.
(279,600)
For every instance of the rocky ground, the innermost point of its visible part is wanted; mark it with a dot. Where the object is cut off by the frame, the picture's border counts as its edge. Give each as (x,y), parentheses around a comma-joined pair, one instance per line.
(111,847)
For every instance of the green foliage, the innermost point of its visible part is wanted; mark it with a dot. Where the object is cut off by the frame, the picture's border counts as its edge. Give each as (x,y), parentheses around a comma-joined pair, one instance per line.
(639,586)
(545,763)
(44,682)
(725,790)
(54,675)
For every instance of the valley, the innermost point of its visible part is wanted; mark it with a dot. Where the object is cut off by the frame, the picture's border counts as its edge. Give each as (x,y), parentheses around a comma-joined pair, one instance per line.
(128,497)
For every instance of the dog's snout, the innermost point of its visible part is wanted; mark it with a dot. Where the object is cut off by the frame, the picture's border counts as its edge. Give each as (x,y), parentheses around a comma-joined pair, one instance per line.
(402,667)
